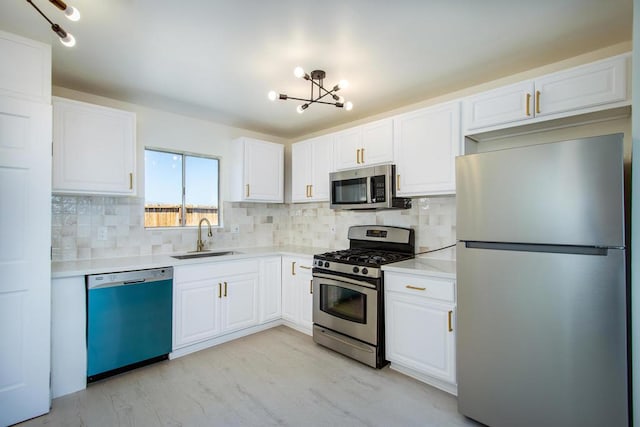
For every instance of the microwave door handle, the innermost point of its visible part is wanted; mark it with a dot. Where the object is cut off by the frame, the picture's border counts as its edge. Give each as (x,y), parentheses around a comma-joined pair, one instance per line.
(369,189)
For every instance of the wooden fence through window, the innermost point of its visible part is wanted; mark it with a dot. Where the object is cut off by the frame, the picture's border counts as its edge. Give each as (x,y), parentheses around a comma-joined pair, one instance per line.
(169,215)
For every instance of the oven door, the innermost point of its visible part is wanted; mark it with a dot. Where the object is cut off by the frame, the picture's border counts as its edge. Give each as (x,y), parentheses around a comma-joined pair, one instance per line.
(347,306)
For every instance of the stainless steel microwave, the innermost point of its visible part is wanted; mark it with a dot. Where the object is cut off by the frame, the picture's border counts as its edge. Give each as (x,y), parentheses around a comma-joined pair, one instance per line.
(366,188)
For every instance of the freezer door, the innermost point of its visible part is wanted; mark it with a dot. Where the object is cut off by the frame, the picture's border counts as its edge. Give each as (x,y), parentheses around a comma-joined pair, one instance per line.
(566,193)
(541,338)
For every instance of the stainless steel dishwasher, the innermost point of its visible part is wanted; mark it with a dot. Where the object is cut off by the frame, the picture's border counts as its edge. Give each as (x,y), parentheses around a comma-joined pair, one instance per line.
(128,320)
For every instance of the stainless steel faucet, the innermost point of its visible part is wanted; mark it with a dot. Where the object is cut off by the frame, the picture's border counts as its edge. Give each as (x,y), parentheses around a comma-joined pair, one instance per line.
(200,243)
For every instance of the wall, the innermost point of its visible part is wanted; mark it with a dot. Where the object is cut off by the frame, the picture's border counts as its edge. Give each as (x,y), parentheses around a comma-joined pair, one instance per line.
(635,219)
(160,129)
(77,219)
(529,74)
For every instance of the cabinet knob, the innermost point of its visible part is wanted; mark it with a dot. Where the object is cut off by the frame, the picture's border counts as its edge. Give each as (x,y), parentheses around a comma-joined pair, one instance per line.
(449,318)
(130,180)
(311,286)
(537,102)
(293,268)
(225,289)
(219,290)
(358,156)
(247,193)
(397,182)
(362,155)
(415,288)
(528,104)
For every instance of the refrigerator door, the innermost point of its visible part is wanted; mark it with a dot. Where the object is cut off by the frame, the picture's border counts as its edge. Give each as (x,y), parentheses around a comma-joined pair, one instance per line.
(541,338)
(564,193)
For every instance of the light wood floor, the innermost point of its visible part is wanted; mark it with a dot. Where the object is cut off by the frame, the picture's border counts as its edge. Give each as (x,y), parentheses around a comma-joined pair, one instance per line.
(276,377)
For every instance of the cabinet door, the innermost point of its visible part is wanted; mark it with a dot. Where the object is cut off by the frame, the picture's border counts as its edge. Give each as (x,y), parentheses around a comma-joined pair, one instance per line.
(264,170)
(305,291)
(240,302)
(94,149)
(25,266)
(504,105)
(321,161)
(419,335)
(301,165)
(196,311)
(290,308)
(29,75)
(346,149)
(270,289)
(377,143)
(427,142)
(594,84)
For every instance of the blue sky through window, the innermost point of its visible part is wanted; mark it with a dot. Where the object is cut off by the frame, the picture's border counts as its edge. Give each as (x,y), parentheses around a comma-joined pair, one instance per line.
(163,179)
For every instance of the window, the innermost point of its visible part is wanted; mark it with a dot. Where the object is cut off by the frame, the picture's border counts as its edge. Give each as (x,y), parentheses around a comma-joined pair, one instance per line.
(180,189)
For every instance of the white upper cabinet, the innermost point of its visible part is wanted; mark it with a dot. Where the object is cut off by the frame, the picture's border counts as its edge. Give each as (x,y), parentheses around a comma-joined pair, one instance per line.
(426,144)
(588,88)
(504,105)
(366,145)
(257,171)
(94,149)
(311,163)
(596,84)
(26,73)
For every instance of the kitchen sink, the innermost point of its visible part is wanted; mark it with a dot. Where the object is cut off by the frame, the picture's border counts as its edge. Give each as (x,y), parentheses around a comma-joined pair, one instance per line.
(203,254)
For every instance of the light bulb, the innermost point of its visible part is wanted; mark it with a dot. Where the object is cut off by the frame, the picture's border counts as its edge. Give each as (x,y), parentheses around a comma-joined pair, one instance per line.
(343,84)
(72,13)
(68,41)
(348,106)
(298,72)
(301,108)
(272,95)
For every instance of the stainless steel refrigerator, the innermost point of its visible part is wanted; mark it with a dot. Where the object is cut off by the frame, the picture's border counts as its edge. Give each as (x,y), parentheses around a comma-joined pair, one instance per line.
(542,313)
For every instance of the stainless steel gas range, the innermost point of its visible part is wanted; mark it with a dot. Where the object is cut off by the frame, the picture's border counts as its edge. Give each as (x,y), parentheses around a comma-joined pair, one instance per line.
(348,291)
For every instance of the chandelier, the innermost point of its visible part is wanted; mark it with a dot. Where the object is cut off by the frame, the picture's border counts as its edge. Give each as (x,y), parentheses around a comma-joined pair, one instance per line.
(316,79)
(71,13)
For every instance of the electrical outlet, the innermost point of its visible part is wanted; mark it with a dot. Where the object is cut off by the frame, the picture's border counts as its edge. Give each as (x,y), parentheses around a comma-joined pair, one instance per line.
(235,228)
(103,233)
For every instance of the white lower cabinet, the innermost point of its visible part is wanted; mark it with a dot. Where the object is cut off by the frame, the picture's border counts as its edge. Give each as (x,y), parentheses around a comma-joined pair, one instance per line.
(68,335)
(420,332)
(297,296)
(270,294)
(214,299)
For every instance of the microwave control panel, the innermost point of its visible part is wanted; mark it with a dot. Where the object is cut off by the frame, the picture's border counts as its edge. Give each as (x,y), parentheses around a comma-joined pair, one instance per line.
(378,184)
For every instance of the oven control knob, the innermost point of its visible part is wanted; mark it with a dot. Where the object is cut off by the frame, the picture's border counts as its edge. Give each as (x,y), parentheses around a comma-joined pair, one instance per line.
(356,269)
(365,271)
(326,264)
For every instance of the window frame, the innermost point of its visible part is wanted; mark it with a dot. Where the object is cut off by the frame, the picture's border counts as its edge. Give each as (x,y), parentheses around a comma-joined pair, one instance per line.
(183,218)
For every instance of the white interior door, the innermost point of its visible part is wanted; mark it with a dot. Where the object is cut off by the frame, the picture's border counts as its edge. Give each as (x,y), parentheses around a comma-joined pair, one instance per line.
(25,269)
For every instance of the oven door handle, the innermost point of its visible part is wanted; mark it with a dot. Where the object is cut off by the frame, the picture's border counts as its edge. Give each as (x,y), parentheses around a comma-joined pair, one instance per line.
(344,279)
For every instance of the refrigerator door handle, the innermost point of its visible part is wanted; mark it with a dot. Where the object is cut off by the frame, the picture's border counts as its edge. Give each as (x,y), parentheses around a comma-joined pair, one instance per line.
(527,247)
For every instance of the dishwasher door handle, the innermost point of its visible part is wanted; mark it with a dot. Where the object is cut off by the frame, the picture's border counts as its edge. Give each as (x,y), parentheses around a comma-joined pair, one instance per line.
(133,282)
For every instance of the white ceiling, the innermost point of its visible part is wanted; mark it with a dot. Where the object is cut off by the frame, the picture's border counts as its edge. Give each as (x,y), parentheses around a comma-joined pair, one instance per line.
(217,59)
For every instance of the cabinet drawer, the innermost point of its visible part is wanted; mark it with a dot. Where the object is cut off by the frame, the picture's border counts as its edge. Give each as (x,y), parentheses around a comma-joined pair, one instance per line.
(429,287)
(188,273)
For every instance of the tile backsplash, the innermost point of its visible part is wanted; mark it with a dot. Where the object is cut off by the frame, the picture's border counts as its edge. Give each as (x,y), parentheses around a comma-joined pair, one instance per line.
(89,227)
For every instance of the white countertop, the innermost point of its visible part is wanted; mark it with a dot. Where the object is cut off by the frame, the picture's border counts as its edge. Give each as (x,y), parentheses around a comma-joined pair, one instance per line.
(424,266)
(110,265)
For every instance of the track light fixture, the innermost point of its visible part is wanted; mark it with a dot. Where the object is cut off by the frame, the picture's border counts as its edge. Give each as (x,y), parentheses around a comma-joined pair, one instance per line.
(317,81)
(70,12)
